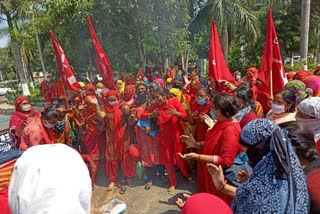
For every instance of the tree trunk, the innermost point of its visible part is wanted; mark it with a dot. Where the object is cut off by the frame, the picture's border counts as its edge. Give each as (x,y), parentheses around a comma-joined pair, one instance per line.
(305,20)
(291,58)
(224,42)
(19,66)
(138,35)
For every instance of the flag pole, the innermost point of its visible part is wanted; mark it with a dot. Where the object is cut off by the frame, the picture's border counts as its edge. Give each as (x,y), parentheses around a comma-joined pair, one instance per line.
(271,84)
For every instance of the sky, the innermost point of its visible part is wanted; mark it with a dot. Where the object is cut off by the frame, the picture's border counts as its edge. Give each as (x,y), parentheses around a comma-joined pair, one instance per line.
(3,39)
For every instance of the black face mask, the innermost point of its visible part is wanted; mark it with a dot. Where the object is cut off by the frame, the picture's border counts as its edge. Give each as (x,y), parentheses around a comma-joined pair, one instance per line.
(142,97)
(177,85)
(256,152)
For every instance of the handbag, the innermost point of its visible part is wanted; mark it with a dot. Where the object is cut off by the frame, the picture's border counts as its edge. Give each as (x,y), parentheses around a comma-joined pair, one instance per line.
(240,163)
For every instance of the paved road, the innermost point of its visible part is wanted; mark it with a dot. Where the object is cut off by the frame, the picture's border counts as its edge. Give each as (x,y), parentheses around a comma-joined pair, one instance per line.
(141,201)
(4,121)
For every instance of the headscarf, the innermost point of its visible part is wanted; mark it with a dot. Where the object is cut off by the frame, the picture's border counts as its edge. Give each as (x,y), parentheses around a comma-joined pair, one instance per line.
(180,96)
(159,81)
(300,90)
(278,184)
(290,75)
(43,182)
(205,203)
(18,101)
(100,85)
(311,107)
(90,87)
(254,76)
(140,75)
(128,93)
(120,86)
(234,76)
(302,74)
(313,82)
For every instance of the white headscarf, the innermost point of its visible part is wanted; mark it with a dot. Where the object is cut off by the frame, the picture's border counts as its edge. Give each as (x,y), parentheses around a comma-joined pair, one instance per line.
(50,179)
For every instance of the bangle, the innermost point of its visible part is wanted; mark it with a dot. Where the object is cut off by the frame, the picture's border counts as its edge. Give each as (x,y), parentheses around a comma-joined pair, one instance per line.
(222,187)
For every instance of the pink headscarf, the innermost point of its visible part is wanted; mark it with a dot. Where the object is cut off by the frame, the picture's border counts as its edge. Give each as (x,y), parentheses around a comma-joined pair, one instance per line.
(313,82)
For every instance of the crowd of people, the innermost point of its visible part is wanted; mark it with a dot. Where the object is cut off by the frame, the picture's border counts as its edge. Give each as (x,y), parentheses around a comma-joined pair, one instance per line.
(178,120)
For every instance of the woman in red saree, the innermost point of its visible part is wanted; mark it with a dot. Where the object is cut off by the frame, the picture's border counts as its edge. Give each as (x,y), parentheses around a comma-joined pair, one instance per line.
(221,144)
(148,145)
(39,130)
(114,136)
(94,129)
(19,119)
(201,106)
(168,112)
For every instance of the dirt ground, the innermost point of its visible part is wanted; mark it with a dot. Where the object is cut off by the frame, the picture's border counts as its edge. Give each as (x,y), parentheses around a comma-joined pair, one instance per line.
(138,200)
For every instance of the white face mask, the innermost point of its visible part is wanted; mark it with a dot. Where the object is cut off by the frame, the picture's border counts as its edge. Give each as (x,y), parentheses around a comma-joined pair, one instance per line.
(238,77)
(113,103)
(278,109)
(48,125)
(99,90)
(26,107)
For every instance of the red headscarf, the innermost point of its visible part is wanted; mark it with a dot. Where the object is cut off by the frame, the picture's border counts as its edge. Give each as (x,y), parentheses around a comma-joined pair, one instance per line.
(19,100)
(290,75)
(302,74)
(140,75)
(205,203)
(90,87)
(254,76)
(128,93)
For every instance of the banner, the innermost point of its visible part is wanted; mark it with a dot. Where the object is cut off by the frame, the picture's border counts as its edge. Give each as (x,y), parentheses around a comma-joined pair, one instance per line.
(218,68)
(271,70)
(103,62)
(65,72)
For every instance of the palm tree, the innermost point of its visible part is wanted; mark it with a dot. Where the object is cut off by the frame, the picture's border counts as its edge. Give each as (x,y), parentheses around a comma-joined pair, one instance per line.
(305,20)
(231,14)
(11,11)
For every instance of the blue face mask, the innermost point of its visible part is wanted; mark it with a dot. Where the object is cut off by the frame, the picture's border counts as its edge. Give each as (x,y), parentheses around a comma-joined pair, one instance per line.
(213,115)
(59,126)
(202,101)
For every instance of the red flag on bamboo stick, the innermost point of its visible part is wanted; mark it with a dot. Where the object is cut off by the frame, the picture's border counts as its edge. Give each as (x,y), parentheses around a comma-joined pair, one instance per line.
(271,69)
(218,68)
(103,62)
(65,71)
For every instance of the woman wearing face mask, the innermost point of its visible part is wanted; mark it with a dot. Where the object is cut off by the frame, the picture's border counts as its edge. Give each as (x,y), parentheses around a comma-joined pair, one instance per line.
(114,137)
(237,77)
(278,184)
(283,108)
(309,115)
(247,112)
(20,118)
(168,113)
(221,144)
(62,132)
(128,95)
(39,130)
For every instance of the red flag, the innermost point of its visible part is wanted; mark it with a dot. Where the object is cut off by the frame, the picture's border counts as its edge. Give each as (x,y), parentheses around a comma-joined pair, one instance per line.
(103,62)
(272,63)
(218,68)
(65,72)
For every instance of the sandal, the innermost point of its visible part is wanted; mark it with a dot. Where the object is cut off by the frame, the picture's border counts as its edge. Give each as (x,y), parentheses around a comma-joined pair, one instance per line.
(130,182)
(171,190)
(148,185)
(123,189)
(110,186)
